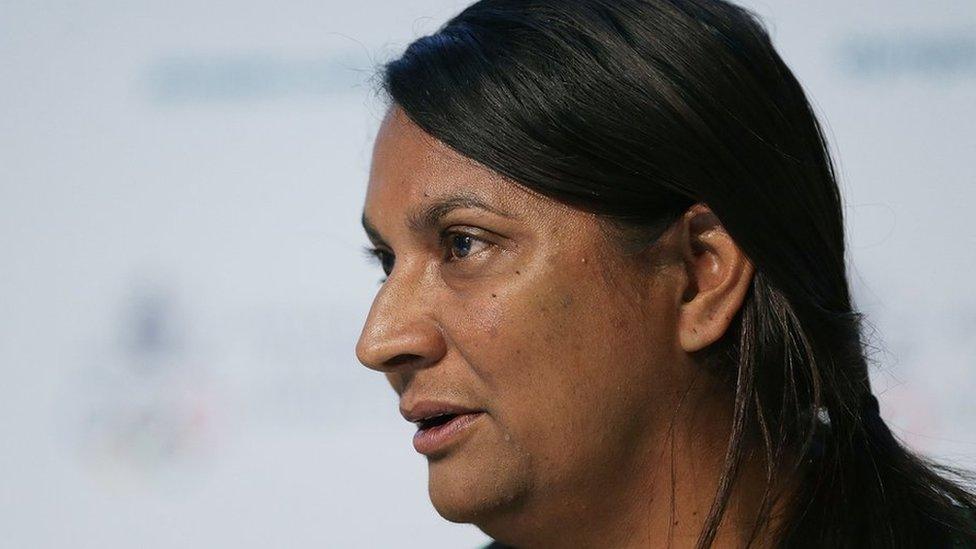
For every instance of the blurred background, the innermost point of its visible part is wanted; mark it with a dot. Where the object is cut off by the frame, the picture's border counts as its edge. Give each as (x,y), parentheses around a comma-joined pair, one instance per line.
(182,282)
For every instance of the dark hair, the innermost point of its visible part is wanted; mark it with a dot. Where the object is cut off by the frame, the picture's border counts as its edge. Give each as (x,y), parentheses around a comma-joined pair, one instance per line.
(638,109)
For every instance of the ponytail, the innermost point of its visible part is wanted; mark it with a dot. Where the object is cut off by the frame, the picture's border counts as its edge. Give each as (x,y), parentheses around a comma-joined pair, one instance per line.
(865,489)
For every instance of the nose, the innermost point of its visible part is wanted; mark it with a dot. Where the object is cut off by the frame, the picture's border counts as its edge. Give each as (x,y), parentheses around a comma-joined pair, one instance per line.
(400,330)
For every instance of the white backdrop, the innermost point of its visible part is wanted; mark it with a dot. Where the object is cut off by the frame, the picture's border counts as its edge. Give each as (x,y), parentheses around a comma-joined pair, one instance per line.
(182,285)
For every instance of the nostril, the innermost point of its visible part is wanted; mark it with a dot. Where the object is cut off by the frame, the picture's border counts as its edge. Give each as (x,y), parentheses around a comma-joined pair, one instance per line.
(402,359)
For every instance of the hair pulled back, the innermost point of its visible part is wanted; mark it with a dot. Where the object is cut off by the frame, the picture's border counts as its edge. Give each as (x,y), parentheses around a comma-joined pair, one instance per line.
(638,109)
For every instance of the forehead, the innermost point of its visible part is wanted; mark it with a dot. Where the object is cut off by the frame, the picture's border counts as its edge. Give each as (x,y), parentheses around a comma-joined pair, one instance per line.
(410,167)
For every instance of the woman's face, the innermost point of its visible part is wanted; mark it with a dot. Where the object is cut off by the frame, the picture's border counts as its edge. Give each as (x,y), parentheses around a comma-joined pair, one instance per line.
(506,303)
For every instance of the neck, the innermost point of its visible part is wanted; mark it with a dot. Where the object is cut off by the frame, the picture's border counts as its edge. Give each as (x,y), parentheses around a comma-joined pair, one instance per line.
(656,494)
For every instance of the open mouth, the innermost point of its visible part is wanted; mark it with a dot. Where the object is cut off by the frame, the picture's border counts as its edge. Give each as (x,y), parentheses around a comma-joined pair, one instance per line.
(435,433)
(435,421)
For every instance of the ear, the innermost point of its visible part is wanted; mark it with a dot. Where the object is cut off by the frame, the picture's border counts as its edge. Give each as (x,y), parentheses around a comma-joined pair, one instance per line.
(717,276)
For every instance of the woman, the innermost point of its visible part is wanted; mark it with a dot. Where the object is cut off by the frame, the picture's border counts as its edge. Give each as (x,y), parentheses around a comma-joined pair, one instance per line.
(616,303)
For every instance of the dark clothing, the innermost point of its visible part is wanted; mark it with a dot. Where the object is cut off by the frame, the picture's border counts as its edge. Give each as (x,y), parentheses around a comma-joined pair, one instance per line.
(959,543)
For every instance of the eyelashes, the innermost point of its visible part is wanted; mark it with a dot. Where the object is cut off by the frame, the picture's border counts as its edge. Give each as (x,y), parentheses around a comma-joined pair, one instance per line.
(456,246)
(381,257)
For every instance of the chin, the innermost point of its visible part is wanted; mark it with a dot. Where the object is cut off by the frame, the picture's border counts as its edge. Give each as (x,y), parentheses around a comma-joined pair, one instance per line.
(474,491)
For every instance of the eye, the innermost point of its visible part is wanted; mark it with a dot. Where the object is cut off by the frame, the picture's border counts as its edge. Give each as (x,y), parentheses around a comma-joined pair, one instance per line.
(383,257)
(461,245)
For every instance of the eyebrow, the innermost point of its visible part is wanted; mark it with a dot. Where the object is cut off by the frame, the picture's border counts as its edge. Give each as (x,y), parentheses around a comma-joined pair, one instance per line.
(431,215)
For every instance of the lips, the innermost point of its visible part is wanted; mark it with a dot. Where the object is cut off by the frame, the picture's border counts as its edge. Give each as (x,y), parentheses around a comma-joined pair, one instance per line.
(439,424)
(430,412)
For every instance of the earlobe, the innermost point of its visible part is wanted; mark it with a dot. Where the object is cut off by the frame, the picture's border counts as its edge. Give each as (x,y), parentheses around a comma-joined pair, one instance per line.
(718,277)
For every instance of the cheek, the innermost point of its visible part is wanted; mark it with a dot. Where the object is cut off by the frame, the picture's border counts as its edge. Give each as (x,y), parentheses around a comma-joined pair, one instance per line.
(565,364)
